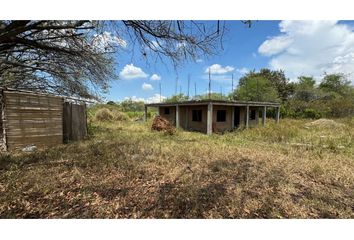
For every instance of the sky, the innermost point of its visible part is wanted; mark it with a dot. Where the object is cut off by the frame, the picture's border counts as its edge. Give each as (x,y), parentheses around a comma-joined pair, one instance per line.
(308,48)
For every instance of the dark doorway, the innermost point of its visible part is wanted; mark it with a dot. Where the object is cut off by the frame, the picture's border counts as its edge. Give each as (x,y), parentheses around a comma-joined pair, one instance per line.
(237,117)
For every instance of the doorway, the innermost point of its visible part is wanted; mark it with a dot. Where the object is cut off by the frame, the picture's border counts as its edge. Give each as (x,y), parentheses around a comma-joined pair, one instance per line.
(237,117)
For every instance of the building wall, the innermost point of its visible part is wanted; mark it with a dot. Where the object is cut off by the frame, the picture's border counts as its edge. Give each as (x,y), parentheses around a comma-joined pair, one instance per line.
(170,117)
(222,126)
(186,118)
(31,119)
(251,123)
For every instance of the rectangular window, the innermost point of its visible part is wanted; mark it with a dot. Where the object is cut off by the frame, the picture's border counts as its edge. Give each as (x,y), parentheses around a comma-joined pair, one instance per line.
(253,115)
(221,116)
(196,115)
(167,111)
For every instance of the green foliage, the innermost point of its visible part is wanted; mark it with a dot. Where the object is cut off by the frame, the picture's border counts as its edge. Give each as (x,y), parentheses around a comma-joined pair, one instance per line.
(132,106)
(177,98)
(335,83)
(255,88)
(333,97)
(212,96)
(277,80)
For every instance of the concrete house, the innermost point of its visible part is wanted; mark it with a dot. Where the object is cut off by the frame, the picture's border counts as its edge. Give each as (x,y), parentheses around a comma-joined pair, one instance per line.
(210,116)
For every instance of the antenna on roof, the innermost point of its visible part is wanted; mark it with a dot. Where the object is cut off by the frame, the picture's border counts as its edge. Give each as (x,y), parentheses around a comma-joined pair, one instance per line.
(195,89)
(189,79)
(176,89)
(221,92)
(232,83)
(180,89)
(160,90)
(209,83)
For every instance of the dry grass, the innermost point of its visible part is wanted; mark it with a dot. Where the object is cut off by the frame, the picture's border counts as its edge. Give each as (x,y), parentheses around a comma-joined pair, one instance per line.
(127,171)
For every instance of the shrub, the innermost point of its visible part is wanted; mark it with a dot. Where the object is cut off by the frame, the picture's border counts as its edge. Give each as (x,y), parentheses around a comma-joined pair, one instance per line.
(119,116)
(312,113)
(103,114)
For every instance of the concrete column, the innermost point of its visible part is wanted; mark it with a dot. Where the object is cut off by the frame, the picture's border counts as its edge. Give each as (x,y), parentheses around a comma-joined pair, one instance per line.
(247,115)
(210,119)
(158,111)
(233,117)
(264,115)
(277,117)
(145,114)
(177,116)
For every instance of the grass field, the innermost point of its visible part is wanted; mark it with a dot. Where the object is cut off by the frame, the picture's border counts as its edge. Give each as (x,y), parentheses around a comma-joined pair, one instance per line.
(290,170)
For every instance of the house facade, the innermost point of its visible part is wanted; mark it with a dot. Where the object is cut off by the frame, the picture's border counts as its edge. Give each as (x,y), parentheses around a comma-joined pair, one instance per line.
(210,116)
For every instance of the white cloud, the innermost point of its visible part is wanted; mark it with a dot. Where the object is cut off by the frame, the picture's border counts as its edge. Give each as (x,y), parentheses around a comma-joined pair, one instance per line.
(155,98)
(243,70)
(311,48)
(147,86)
(275,45)
(107,42)
(131,72)
(199,60)
(180,45)
(135,99)
(155,77)
(218,69)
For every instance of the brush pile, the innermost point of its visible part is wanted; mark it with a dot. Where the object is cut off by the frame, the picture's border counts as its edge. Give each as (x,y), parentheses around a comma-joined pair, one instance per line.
(161,124)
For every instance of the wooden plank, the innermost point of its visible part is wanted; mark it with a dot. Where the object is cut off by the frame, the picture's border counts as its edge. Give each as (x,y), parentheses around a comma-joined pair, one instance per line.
(33,119)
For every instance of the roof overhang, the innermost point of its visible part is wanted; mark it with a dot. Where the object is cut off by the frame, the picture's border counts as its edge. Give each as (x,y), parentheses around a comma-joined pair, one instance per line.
(214,102)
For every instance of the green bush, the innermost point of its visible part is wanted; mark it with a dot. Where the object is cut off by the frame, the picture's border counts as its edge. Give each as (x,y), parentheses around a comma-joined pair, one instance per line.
(312,113)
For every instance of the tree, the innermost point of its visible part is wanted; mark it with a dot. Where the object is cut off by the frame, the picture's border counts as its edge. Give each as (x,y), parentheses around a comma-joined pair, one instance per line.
(212,96)
(335,83)
(129,105)
(177,98)
(305,89)
(255,88)
(277,79)
(77,57)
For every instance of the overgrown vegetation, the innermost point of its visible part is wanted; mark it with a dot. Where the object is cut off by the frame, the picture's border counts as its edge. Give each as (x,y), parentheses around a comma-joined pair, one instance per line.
(332,97)
(297,169)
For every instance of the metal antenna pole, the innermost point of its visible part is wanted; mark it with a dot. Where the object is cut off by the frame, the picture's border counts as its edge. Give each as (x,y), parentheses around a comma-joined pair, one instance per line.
(195,89)
(176,89)
(189,78)
(160,91)
(209,84)
(232,79)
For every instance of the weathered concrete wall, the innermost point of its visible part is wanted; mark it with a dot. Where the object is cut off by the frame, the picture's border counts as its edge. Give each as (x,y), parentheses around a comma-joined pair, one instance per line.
(255,121)
(170,117)
(186,118)
(222,126)
(251,123)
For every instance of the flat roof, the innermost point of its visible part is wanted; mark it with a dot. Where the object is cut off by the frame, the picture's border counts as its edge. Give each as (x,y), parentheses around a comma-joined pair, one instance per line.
(215,102)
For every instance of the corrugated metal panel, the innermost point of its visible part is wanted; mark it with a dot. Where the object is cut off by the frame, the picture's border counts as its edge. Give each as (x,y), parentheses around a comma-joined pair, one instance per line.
(32,119)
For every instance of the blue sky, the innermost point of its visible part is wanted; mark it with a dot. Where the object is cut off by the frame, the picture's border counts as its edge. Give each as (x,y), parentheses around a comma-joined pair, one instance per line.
(297,47)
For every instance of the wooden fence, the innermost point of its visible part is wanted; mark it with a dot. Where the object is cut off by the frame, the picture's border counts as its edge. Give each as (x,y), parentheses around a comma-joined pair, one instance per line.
(38,119)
